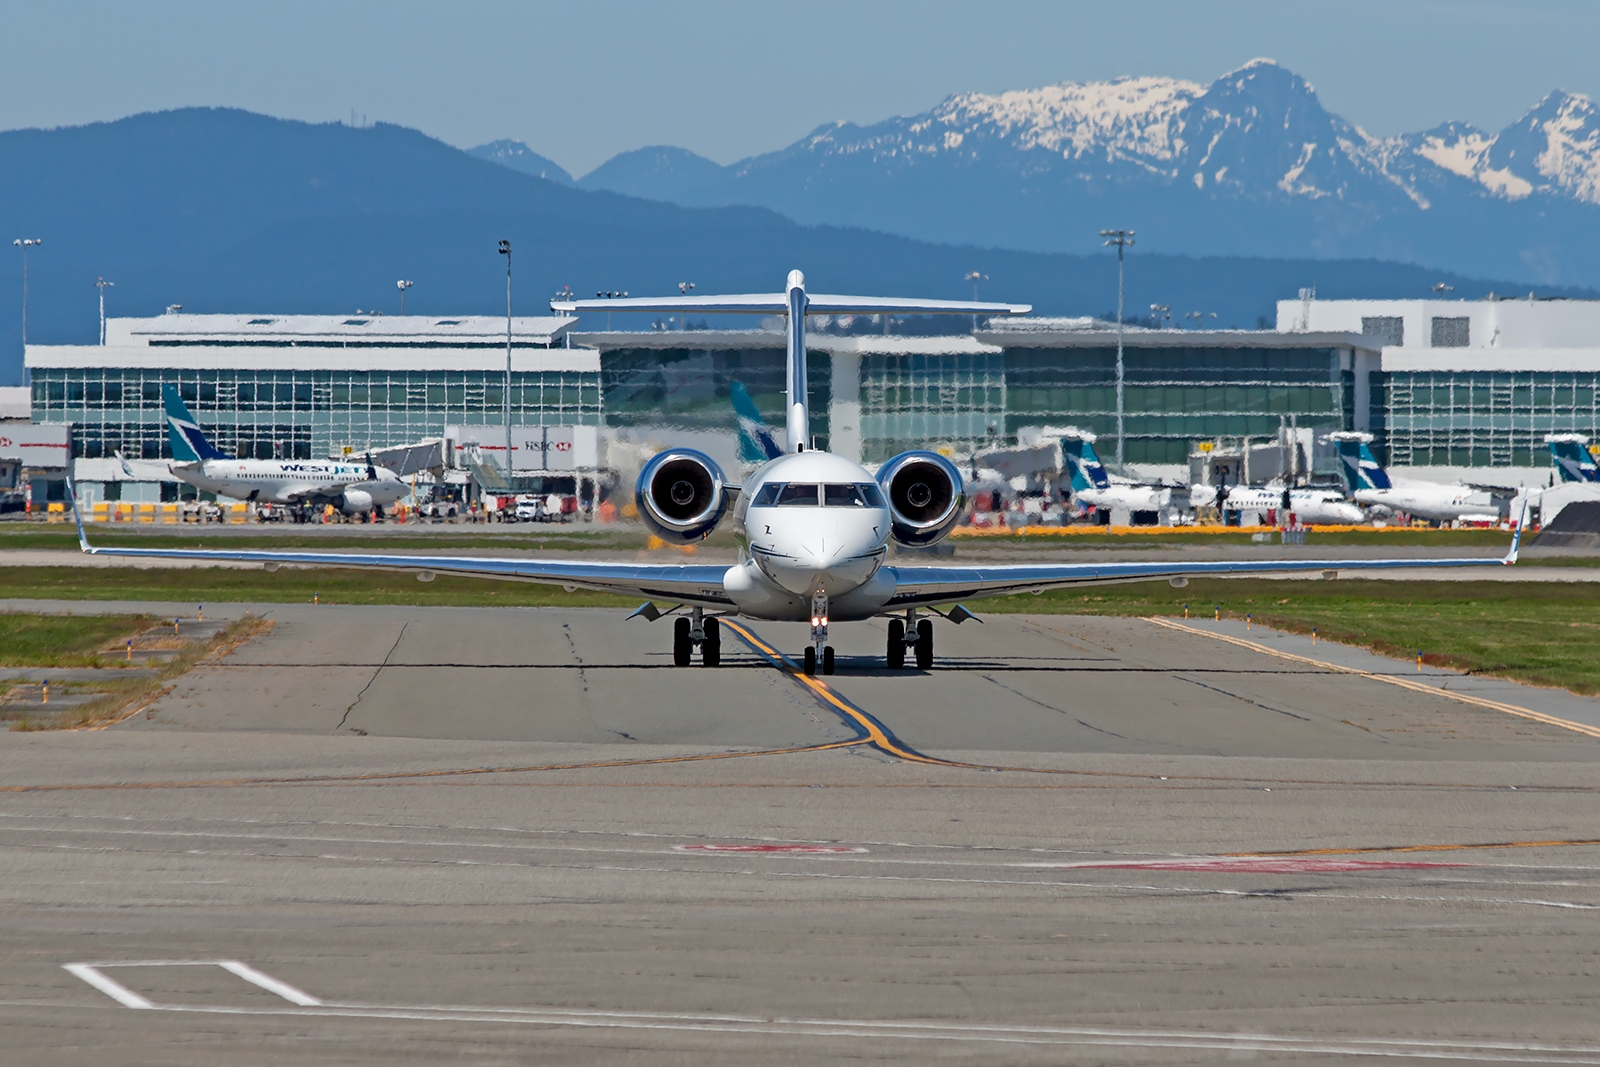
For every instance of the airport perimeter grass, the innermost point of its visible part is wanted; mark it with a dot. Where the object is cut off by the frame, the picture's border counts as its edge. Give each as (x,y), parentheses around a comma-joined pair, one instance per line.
(63,640)
(1545,633)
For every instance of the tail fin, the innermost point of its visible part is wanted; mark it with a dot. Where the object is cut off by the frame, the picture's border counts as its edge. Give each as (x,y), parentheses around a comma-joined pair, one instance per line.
(756,443)
(188,443)
(1359,466)
(1077,451)
(1570,454)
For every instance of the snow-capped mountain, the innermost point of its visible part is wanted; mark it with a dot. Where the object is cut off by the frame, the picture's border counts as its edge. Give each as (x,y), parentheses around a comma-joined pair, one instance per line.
(1250,164)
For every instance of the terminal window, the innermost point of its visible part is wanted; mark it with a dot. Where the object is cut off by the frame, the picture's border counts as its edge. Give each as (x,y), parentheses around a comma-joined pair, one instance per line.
(1385,329)
(1451,332)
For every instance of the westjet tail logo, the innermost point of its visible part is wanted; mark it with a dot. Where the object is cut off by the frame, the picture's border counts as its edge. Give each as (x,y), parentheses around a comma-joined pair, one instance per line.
(1081,459)
(1361,468)
(1574,461)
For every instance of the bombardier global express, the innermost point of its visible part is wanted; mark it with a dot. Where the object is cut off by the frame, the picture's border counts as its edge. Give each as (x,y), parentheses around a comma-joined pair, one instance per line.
(814,528)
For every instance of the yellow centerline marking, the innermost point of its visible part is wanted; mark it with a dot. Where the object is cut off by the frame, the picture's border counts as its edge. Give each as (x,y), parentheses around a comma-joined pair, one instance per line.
(1403,683)
(875,733)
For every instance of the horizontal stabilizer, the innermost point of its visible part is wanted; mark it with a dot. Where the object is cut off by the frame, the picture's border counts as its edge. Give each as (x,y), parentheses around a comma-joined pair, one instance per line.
(778,304)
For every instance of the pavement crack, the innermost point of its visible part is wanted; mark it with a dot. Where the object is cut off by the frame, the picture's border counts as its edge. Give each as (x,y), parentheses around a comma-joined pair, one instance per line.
(572,646)
(1237,696)
(346,716)
(1051,707)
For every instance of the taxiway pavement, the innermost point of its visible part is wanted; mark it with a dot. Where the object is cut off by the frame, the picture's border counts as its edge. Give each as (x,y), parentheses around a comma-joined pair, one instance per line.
(409,834)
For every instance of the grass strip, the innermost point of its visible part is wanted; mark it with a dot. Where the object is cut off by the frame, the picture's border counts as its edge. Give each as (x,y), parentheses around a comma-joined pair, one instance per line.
(64,640)
(121,698)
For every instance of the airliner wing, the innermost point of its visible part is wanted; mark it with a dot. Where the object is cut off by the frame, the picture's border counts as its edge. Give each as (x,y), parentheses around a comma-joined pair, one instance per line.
(827,304)
(918,586)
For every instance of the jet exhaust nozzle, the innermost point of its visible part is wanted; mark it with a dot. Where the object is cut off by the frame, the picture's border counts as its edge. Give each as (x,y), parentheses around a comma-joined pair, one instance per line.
(681,495)
(926,497)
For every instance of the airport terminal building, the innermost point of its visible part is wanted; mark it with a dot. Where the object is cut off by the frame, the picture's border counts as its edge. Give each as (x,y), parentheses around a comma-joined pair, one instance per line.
(1445,386)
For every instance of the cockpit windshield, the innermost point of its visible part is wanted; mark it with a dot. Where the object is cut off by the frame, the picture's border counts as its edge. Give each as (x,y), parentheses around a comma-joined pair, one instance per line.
(809,495)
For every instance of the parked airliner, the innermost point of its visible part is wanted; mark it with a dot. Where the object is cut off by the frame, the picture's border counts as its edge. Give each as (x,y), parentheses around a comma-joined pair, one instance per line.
(1370,486)
(814,528)
(353,488)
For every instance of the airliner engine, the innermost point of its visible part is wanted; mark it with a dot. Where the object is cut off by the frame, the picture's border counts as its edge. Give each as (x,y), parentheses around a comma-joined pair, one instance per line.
(355,501)
(926,496)
(681,495)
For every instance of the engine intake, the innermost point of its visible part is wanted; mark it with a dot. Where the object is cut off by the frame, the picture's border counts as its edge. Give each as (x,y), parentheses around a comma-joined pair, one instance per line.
(926,497)
(681,496)
(355,501)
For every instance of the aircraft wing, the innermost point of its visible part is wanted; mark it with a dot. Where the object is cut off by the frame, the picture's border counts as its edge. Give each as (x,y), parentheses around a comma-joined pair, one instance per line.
(918,586)
(685,584)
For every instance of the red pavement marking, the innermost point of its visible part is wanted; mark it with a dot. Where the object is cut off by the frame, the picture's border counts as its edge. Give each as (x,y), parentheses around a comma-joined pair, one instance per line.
(767,848)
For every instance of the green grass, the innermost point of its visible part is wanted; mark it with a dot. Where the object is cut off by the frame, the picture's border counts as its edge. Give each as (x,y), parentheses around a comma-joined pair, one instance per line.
(518,537)
(288,586)
(1546,633)
(1179,536)
(63,640)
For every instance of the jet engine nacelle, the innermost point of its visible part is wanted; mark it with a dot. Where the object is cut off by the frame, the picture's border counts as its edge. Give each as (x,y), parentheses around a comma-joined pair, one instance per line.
(681,495)
(926,496)
(355,501)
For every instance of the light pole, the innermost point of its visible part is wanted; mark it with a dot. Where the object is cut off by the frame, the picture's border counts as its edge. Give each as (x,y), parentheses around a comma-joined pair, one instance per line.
(683,290)
(1199,317)
(25,243)
(975,277)
(402,285)
(1121,239)
(1162,314)
(101,284)
(505,250)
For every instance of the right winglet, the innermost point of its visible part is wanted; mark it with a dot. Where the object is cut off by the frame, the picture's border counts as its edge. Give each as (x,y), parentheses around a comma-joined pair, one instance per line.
(77,512)
(1516,538)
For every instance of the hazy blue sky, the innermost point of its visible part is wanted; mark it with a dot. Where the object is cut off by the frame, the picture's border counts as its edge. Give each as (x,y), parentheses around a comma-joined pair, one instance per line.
(580,82)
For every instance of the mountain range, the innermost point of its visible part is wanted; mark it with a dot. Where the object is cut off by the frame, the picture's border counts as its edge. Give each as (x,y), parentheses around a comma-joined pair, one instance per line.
(227,211)
(1249,165)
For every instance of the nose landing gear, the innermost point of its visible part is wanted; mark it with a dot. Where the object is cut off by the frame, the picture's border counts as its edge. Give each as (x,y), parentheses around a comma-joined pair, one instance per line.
(819,647)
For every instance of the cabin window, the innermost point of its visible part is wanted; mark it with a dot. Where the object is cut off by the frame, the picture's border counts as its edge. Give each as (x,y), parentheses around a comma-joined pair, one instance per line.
(767,496)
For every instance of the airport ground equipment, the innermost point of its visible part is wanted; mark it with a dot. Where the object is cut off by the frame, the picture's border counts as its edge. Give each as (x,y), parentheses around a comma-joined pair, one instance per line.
(815,527)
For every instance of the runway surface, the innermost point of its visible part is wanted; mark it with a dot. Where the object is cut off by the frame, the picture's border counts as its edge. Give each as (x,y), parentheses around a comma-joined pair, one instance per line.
(404,834)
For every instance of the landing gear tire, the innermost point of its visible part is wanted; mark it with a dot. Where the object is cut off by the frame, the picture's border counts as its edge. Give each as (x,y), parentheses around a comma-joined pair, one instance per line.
(810,660)
(682,645)
(711,648)
(827,659)
(924,645)
(897,644)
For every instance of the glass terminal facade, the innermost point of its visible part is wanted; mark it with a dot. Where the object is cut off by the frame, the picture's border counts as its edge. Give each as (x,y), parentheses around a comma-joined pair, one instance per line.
(301,414)
(1482,418)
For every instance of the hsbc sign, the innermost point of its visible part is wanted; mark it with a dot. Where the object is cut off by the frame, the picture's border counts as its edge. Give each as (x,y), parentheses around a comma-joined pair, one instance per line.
(534,449)
(37,446)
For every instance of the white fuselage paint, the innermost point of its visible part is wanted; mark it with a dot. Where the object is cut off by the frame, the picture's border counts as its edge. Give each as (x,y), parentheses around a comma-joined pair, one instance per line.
(1311,507)
(287,481)
(1436,503)
(791,553)
(1131,497)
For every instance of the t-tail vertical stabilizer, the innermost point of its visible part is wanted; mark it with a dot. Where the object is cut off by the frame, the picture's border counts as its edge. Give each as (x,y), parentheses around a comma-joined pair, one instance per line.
(1570,454)
(1359,466)
(189,445)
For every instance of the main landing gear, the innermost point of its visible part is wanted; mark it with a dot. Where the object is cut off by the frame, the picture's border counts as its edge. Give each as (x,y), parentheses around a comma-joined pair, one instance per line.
(819,647)
(914,633)
(696,631)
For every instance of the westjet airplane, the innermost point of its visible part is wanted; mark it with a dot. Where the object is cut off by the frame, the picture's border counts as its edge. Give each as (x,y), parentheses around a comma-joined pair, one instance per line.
(814,529)
(353,488)
(1569,452)
(1370,486)
(1091,484)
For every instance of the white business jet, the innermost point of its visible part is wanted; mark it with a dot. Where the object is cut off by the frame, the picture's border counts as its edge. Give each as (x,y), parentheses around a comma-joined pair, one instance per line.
(814,529)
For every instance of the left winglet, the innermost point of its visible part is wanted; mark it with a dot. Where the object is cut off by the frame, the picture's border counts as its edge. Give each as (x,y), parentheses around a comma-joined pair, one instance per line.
(77,512)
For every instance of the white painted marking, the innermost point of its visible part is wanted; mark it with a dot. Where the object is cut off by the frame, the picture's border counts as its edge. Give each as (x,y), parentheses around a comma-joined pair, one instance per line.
(269,983)
(115,990)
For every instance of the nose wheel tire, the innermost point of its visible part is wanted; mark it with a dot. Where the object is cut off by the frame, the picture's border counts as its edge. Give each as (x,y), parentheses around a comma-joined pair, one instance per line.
(924,645)
(682,645)
(810,660)
(897,644)
(827,659)
(711,648)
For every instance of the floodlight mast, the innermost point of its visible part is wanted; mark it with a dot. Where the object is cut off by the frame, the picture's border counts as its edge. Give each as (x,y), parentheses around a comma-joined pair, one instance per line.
(101,284)
(402,285)
(505,250)
(1121,239)
(25,243)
